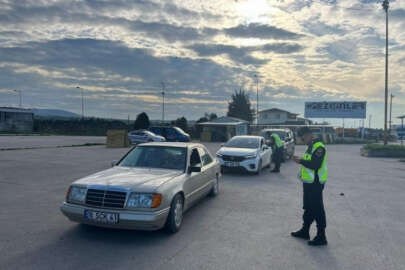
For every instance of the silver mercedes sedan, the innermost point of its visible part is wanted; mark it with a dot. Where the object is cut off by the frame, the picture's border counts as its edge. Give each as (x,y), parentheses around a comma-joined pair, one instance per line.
(148,189)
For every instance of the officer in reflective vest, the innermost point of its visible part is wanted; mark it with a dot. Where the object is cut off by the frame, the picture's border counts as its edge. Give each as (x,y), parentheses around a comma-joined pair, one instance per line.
(313,174)
(278,149)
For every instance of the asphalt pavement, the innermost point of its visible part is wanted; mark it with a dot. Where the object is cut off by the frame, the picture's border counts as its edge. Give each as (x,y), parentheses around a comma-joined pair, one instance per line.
(246,227)
(35,141)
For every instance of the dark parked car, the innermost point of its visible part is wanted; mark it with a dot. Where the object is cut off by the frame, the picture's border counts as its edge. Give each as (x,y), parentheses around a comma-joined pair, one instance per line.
(286,135)
(172,134)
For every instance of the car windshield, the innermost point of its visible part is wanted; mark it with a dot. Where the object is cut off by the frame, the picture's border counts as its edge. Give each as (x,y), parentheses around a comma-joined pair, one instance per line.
(251,143)
(163,157)
(180,130)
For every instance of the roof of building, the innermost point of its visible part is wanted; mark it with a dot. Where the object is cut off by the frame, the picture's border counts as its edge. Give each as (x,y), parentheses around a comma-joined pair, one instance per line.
(277,110)
(15,110)
(224,121)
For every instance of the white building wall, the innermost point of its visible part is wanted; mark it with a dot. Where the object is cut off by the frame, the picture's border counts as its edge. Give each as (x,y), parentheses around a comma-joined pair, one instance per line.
(268,118)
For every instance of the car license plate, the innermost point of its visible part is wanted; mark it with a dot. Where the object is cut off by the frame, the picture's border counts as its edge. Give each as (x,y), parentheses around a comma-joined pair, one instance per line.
(231,164)
(101,217)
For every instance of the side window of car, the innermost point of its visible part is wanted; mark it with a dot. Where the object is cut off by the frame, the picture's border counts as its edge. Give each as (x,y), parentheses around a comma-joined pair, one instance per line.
(170,132)
(195,158)
(206,158)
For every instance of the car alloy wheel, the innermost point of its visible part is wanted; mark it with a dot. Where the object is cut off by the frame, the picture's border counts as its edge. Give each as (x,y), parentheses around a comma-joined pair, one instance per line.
(175,217)
(178,213)
(259,168)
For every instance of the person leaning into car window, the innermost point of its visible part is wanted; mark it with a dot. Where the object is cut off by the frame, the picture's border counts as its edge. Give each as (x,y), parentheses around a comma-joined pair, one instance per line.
(277,145)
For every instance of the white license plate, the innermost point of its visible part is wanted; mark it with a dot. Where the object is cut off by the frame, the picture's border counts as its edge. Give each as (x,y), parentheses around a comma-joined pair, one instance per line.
(101,217)
(231,164)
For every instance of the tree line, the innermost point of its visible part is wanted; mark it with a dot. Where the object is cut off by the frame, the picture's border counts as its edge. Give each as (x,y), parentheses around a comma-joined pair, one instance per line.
(239,107)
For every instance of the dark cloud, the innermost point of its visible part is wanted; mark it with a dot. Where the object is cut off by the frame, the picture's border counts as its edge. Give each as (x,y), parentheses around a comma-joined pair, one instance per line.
(281,48)
(243,54)
(93,61)
(397,14)
(237,54)
(255,30)
(91,12)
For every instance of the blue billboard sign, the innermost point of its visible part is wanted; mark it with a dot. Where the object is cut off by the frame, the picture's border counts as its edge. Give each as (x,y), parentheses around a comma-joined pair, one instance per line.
(338,109)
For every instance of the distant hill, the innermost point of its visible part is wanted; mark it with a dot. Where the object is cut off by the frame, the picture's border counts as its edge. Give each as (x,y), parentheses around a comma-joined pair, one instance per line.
(54,113)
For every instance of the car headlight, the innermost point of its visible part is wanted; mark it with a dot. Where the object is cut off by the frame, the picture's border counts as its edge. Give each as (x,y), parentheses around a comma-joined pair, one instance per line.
(144,200)
(251,156)
(77,194)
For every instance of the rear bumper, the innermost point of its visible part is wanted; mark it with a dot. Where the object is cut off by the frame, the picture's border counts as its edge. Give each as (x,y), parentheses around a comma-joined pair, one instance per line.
(127,219)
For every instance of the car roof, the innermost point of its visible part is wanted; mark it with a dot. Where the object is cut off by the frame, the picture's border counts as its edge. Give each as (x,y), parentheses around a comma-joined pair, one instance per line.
(276,129)
(174,144)
(248,137)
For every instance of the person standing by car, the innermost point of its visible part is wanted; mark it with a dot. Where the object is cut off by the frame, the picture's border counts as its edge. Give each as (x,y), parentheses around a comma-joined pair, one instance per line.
(278,150)
(313,174)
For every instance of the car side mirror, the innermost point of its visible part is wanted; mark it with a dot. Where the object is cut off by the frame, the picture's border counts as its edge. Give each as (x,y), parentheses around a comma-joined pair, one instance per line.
(265,147)
(192,169)
(114,163)
(222,144)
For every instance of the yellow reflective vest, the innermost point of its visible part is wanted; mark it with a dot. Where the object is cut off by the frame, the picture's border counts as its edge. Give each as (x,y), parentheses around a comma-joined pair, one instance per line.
(308,175)
(277,141)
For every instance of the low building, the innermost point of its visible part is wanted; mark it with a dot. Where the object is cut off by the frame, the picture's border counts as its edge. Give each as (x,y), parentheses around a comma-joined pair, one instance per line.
(275,116)
(16,120)
(223,128)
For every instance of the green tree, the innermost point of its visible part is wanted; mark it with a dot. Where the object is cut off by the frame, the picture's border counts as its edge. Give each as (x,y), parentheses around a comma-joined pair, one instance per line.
(142,121)
(182,123)
(240,106)
(213,116)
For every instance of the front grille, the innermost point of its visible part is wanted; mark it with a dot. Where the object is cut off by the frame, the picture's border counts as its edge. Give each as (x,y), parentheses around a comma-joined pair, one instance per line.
(232,158)
(105,198)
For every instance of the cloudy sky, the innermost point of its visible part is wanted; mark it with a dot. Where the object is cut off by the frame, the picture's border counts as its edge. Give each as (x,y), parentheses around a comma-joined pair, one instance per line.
(119,52)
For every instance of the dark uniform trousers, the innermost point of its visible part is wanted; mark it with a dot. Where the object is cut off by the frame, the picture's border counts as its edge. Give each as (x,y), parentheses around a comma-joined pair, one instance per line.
(313,204)
(278,157)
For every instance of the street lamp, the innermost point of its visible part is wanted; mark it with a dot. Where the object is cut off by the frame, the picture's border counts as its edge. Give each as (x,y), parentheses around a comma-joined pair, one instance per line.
(257,99)
(392,96)
(385,5)
(20,95)
(163,102)
(78,87)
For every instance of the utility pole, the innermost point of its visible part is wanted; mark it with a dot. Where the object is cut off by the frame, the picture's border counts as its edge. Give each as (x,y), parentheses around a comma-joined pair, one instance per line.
(163,102)
(257,99)
(392,96)
(369,121)
(20,96)
(81,89)
(385,5)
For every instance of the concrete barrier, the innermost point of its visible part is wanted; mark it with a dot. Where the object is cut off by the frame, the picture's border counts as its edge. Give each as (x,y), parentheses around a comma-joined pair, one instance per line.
(117,138)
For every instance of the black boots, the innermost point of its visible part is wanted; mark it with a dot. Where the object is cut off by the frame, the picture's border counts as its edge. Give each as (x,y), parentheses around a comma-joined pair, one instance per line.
(302,233)
(320,239)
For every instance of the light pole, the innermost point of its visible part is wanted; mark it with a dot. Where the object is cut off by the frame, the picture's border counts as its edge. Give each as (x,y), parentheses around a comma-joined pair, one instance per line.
(20,96)
(392,96)
(78,87)
(257,99)
(385,5)
(163,102)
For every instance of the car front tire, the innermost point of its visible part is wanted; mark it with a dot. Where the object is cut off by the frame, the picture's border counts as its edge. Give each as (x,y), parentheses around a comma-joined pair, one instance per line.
(215,188)
(175,218)
(259,168)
